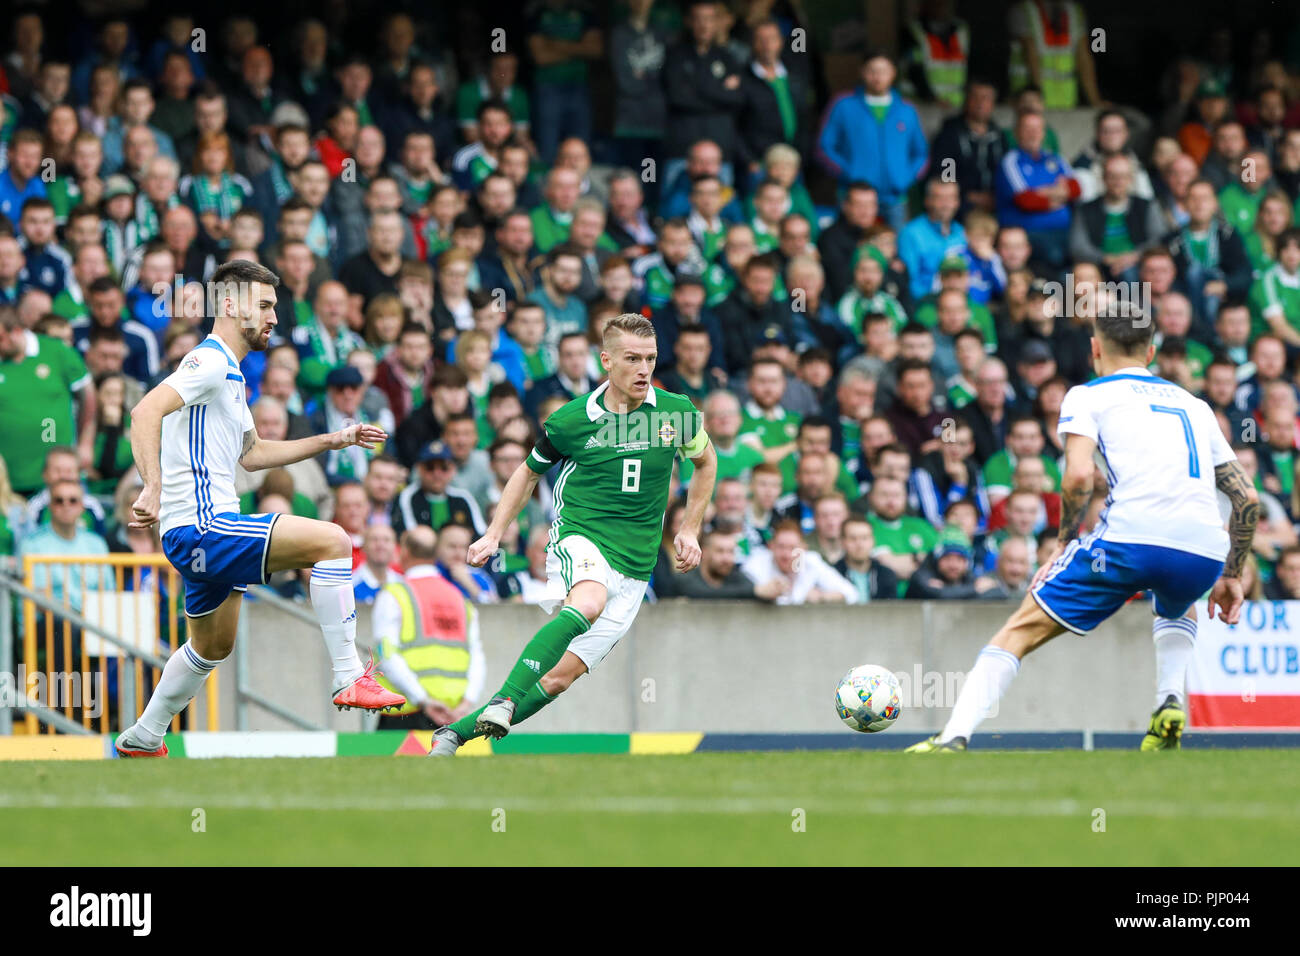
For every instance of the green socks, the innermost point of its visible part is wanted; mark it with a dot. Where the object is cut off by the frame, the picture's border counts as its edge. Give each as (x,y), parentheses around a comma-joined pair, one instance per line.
(523,684)
(543,652)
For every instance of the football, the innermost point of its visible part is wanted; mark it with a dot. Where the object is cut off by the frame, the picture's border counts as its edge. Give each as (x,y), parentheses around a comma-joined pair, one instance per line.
(869,699)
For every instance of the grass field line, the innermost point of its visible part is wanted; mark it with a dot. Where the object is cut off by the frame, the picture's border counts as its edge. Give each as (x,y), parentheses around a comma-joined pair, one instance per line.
(1063,807)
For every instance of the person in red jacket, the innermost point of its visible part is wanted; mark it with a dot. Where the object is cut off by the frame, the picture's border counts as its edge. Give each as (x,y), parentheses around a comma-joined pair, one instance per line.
(405,374)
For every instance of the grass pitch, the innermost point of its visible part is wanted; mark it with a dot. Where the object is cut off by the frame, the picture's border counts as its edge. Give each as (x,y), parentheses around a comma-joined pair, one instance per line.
(1193,807)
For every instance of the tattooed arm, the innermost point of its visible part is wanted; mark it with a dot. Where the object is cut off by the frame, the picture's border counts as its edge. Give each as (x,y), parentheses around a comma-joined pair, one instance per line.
(1076,494)
(1231,479)
(1227,593)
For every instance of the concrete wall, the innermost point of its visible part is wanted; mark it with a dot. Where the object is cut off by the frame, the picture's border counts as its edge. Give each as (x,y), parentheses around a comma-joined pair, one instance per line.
(722,667)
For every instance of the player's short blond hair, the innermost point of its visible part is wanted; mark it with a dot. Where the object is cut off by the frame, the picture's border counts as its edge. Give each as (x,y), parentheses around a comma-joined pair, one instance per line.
(629,323)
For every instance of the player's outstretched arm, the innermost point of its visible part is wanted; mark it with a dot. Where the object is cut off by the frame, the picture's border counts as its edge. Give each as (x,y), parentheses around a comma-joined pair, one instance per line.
(146,448)
(513,498)
(698,496)
(259,453)
(1227,596)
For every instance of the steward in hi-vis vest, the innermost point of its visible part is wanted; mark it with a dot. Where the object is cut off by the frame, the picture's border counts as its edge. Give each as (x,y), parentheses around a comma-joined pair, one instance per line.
(427,638)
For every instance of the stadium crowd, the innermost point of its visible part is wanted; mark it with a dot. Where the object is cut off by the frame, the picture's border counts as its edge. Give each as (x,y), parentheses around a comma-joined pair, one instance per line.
(878,327)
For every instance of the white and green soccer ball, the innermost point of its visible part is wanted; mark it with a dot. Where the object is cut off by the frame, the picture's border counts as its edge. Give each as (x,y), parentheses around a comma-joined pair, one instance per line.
(869,699)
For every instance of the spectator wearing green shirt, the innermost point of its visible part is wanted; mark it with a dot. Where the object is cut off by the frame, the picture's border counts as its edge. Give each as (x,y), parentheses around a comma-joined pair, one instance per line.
(472,162)
(497,82)
(773,426)
(82,184)
(1024,439)
(46,395)
(1174,321)
(1240,199)
(867,295)
(562,37)
(554,217)
(736,459)
(657,270)
(1275,296)
(814,438)
(902,541)
(1275,216)
(89,263)
(954,275)
(323,343)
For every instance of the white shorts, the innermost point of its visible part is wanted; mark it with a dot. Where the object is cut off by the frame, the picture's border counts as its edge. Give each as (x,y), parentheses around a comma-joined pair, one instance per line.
(573,559)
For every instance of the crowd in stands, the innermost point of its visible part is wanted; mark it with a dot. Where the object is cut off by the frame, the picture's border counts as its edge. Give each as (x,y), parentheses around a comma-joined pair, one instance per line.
(878,326)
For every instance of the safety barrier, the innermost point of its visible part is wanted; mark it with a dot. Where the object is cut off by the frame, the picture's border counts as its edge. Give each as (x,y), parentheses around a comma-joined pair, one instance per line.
(89,621)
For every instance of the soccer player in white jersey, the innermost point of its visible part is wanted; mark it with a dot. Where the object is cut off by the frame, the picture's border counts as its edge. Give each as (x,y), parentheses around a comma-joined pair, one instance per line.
(1160,532)
(187,435)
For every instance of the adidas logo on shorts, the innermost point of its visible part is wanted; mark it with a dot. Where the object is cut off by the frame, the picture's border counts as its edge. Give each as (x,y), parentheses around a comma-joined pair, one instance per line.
(533,665)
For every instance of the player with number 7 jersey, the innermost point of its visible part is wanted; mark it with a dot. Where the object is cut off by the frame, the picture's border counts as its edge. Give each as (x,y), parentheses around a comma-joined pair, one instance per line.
(1165,462)
(615,449)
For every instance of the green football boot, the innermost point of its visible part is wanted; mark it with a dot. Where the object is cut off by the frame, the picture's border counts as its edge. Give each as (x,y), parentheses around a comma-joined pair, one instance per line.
(1167,723)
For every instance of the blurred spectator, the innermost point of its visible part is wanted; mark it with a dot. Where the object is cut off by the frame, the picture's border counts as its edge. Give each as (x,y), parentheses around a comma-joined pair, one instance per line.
(803,575)
(902,540)
(1115,228)
(453,543)
(428,637)
(872,135)
(719,577)
(947,573)
(271,421)
(703,85)
(1010,578)
(431,499)
(562,37)
(378,570)
(66,536)
(873,580)
(637,54)
(45,394)
(1034,190)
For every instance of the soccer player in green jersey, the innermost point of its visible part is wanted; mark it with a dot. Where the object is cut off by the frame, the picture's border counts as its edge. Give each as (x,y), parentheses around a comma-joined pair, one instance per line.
(616,446)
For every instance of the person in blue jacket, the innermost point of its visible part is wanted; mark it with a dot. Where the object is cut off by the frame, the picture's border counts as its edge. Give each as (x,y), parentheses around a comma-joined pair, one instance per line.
(873,135)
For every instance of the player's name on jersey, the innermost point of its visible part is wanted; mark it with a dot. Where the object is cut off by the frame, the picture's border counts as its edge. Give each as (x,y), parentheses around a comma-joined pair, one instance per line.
(638,432)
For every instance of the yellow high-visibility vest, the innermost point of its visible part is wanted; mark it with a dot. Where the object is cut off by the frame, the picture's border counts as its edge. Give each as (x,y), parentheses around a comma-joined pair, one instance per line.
(944,63)
(1056,54)
(434,640)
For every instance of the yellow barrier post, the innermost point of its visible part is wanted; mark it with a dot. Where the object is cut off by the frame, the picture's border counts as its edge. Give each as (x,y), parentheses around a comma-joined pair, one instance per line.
(117,566)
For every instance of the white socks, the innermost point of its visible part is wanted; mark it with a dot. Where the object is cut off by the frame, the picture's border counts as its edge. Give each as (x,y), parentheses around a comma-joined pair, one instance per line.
(987,681)
(181,679)
(1175,640)
(336,612)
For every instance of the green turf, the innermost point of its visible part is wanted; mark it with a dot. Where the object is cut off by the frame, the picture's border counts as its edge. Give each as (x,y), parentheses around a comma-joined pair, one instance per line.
(1207,807)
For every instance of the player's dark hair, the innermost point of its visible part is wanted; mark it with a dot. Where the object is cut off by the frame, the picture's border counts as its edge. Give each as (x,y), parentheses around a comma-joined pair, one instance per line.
(1124,327)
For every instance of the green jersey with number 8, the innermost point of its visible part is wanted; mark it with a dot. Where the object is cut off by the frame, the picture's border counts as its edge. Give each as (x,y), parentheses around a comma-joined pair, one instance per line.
(615,471)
